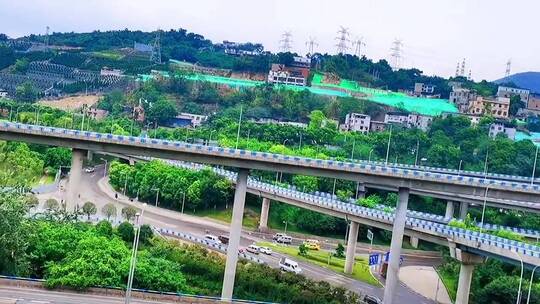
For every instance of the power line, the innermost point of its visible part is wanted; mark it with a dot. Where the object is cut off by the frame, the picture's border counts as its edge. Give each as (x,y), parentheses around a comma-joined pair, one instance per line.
(396,53)
(342,40)
(358,43)
(286,42)
(311,44)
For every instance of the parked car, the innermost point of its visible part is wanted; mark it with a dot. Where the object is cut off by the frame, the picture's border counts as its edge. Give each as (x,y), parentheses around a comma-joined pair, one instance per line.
(371,300)
(288,265)
(224,239)
(89,169)
(253,249)
(284,239)
(265,250)
(312,244)
(277,236)
(212,238)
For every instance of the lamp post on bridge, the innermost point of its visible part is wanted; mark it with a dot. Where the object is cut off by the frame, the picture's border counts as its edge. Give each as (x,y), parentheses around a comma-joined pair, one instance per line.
(530,284)
(534,166)
(133,262)
(459,167)
(388,146)
(518,299)
(238,132)
(369,157)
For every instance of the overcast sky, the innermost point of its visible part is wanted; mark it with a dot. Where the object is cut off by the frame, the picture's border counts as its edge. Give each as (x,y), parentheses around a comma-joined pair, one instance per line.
(436,34)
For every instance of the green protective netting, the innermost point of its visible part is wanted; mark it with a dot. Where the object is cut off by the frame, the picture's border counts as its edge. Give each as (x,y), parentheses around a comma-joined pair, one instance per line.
(425,106)
(534,137)
(346,88)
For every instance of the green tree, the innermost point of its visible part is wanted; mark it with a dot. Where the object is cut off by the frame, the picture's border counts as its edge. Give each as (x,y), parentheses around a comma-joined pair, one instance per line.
(516,104)
(146,234)
(104,228)
(340,251)
(26,92)
(161,111)
(302,250)
(126,232)
(109,210)
(129,213)
(13,234)
(89,209)
(52,205)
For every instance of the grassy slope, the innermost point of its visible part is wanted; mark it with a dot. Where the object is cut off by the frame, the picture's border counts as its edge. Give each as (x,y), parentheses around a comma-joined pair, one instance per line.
(320,258)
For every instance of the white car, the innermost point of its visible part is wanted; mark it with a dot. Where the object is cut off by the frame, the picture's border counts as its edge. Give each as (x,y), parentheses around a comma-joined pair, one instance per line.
(89,169)
(265,250)
(288,265)
(212,239)
(253,249)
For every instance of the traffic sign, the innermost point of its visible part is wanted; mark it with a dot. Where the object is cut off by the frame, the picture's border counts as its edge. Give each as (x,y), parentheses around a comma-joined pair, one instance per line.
(370,235)
(373,259)
(387,258)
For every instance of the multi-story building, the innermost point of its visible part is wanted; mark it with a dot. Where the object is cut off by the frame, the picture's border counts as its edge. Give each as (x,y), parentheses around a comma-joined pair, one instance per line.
(534,103)
(421,122)
(461,98)
(377,126)
(396,117)
(508,92)
(357,122)
(497,107)
(422,88)
(502,127)
(295,74)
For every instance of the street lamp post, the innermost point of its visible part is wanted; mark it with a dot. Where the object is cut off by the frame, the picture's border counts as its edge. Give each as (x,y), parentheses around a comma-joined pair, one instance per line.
(300,145)
(210,137)
(518,300)
(530,284)
(10,112)
(125,183)
(157,195)
(388,146)
(484,209)
(534,166)
(183,201)
(352,151)
(105,169)
(285,231)
(486,163)
(133,262)
(369,158)
(417,149)
(239,124)
(459,167)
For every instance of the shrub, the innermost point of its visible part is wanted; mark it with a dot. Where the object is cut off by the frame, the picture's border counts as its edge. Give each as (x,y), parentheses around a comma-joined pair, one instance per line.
(126,232)
(89,209)
(129,213)
(340,251)
(104,228)
(109,210)
(146,234)
(52,205)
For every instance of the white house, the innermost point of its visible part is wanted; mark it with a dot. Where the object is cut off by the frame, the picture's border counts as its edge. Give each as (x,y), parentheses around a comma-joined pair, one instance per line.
(357,122)
(502,127)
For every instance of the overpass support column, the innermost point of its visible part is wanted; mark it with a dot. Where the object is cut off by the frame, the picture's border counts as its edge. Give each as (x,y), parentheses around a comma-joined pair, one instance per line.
(449,210)
(89,155)
(463,210)
(351,247)
(234,235)
(263,223)
(392,275)
(468,261)
(414,242)
(360,190)
(75,179)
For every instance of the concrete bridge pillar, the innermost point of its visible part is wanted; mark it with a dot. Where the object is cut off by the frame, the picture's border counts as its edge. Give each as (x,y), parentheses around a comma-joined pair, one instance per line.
(463,210)
(72,199)
(449,210)
(414,241)
(351,247)
(360,190)
(392,275)
(263,222)
(89,155)
(468,261)
(234,235)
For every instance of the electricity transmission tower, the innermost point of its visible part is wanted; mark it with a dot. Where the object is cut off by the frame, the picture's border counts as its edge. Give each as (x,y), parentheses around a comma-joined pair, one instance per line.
(396,53)
(342,40)
(358,43)
(286,42)
(156,49)
(508,68)
(47,29)
(311,44)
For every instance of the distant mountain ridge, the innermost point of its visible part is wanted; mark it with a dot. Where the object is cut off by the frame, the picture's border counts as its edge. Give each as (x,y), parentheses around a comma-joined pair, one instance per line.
(526,80)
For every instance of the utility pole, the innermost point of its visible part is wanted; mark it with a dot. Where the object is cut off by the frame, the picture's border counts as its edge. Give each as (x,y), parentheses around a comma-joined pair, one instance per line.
(396,53)
(508,68)
(286,42)
(342,41)
(239,124)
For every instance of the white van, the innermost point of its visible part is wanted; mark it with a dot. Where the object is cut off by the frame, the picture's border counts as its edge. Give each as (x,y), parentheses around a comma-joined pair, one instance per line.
(285,239)
(289,266)
(212,239)
(253,249)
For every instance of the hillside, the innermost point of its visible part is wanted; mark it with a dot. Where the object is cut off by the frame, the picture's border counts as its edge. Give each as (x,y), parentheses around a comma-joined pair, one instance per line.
(527,80)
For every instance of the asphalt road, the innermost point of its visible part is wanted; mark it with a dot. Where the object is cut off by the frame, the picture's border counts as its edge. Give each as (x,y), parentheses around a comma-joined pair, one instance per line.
(91,191)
